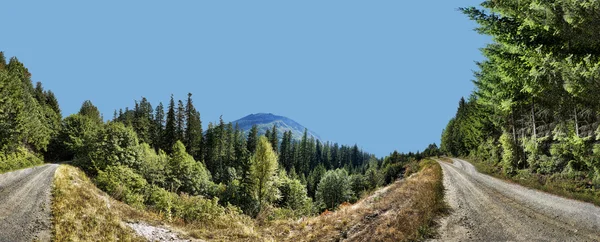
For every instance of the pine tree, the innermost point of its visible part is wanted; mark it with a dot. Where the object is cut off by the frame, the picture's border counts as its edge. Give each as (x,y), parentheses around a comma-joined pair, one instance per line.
(252,139)
(180,119)
(159,127)
(274,139)
(170,134)
(193,130)
(89,110)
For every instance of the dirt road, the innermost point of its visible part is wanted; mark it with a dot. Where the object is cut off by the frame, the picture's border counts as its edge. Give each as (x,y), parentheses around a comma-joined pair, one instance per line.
(488,209)
(25,204)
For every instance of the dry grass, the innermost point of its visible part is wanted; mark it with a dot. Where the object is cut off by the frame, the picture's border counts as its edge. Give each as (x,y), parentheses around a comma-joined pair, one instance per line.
(82,213)
(404,211)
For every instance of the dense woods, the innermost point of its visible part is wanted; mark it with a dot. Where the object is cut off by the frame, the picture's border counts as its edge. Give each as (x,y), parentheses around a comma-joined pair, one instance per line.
(160,158)
(535,106)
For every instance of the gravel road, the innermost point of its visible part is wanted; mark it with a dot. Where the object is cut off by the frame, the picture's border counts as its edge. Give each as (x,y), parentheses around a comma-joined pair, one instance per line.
(489,209)
(25,204)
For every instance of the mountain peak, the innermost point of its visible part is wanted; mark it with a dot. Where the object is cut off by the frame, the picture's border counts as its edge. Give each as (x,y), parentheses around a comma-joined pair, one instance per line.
(265,121)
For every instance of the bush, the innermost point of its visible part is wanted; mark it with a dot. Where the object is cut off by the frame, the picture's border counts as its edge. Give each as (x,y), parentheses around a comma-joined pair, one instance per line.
(161,200)
(197,209)
(187,175)
(293,197)
(334,189)
(392,171)
(19,159)
(123,184)
(359,184)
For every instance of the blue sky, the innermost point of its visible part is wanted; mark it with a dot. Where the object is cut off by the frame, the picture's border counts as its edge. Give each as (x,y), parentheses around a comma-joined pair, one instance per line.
(386,75)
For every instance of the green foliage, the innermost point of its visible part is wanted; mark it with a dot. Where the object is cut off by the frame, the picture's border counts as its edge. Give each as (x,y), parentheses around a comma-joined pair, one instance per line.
(293,196)
(510,158)
(187,175)
(334,188)
(359,184)
(153,166)
(123,183)
(19,159)
(197,209)
(115,145)
(263,172)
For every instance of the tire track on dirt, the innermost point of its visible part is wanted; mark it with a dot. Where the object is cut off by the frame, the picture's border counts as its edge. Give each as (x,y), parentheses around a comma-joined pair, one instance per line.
(489,209)
(25,204)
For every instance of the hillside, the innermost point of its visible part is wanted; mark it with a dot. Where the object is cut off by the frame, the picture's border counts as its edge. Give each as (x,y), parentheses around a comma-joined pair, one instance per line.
(265,121)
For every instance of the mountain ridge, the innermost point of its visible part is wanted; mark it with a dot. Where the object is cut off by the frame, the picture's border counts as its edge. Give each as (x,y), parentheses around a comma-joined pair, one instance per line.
(265,121)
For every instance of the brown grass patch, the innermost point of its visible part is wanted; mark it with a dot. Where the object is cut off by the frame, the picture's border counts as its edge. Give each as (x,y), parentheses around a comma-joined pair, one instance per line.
(82,213)
(405,211)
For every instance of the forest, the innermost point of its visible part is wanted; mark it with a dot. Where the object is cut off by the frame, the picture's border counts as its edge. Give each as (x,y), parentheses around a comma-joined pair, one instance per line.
(160,158)
(534,110)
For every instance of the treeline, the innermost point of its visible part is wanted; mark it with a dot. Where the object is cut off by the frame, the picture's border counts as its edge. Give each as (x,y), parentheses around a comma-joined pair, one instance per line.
(29,117)
(161,159)
(535,107)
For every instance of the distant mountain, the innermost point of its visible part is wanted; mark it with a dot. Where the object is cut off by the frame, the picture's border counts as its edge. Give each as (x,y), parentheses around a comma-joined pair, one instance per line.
(266,121)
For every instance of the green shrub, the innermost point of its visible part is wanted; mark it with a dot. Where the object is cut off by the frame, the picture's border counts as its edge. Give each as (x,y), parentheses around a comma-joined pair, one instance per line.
(197,209)
(19,159)
(161,200)
(293,196)
(334,189)
(392,171)
(123,184)
(359,184)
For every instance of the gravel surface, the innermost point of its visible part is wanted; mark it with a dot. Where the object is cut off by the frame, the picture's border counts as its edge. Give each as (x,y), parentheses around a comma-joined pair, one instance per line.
(153,233)
(489,209)
(25,204)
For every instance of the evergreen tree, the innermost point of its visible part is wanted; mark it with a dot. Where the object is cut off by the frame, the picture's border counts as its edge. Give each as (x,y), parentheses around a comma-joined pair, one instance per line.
(180,121)
(159,127)
(252,139)
(274,139)
(193,130)
(89,110)
(170,134)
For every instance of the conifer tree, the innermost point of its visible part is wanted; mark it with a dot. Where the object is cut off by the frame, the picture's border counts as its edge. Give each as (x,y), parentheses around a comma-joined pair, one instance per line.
(274,139)
(170,134)
(193,130)
(159,127)
(252,139)
(180,121)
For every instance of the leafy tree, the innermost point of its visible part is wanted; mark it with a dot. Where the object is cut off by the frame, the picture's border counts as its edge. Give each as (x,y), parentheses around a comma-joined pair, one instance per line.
(187,175)
(334,188)
(263,172)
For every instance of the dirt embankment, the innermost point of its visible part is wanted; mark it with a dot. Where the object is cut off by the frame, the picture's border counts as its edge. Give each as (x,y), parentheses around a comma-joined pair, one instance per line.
(25,204)
(489,209)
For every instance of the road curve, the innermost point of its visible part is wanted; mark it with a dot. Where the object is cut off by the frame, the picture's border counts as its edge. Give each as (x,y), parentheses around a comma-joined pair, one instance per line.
(485,208)
(25,204)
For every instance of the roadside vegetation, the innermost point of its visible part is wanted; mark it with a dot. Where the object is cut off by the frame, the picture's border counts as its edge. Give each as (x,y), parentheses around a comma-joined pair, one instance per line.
(219,183)
(534,117)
